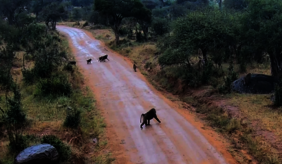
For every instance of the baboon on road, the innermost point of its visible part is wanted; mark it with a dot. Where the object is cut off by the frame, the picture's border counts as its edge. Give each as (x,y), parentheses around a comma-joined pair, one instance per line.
(148,116)
(103,58)
(134,67)
(89,61)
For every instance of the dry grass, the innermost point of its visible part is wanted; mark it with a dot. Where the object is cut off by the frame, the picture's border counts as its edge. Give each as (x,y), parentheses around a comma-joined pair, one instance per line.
(259,108)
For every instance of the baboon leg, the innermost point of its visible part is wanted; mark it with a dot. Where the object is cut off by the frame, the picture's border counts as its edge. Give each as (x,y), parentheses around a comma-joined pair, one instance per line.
(157,118)
(142,125)
(148,122)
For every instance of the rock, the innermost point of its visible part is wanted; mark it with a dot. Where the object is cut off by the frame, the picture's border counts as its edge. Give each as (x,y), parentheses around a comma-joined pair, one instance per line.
(254,83)
(43,154)
(95,140)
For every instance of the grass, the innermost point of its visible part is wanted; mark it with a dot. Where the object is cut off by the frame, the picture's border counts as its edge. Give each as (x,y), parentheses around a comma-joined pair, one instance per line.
(259,108)
(243,137)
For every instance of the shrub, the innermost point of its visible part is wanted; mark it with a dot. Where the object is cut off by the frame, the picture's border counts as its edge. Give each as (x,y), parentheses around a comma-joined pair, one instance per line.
(123,31)
(73,118)
(63,150)
(55,86)
(160,26)
(69,68)
(232,76)
(18,143)
(28,76)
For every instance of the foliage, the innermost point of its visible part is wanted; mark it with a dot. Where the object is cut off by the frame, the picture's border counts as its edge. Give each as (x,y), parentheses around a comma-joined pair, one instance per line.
(117,10)
(52,12)
(160,26)
(261,29)
(63,150)
(209,31)
(73,118)
(56,85)
(48,57)
(76,14)
(231,76)
(6,56)
(235,4)
(14,120)
(12,9)
(28,76)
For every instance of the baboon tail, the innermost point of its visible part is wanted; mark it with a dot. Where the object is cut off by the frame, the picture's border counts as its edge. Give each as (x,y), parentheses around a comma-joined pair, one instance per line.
(142,115)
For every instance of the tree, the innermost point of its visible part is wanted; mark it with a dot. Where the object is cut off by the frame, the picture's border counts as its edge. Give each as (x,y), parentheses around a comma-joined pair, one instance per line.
(262,31)
(76,15)
(160,26)
(143,16)
(52,13)
(209,31)
(116,11)
(11,8)
(235,4)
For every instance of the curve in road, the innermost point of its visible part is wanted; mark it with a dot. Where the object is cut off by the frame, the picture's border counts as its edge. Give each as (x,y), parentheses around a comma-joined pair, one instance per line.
(124,95)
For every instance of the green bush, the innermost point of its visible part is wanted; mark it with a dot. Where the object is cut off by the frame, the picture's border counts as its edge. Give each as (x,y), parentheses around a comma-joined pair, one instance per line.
(55,86)
(69,68)
(63,150)
(28,76)
(232,76)
(123,31)
(73,118)
(160,26)
(18,143)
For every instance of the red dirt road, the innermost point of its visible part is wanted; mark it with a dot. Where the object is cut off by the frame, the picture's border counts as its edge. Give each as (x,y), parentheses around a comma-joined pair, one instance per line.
(123,95)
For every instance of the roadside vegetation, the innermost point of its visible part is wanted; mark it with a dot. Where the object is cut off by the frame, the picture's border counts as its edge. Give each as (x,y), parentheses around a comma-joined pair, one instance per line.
(195,50)
(42,97)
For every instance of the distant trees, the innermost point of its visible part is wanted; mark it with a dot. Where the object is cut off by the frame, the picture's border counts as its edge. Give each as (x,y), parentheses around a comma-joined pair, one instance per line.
(11,9)
(117,10)
(262,30)
(52,13)
(235,4)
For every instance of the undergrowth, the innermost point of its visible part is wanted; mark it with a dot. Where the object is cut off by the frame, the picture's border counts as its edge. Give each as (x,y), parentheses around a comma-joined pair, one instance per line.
(235,129)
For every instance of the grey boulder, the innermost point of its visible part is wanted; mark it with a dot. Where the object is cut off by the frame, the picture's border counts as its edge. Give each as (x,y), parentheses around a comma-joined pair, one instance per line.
(43,154)
(255,84)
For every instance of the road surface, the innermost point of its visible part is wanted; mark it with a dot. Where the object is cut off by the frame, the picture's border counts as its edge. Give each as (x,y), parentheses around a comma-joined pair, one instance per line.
(123,95)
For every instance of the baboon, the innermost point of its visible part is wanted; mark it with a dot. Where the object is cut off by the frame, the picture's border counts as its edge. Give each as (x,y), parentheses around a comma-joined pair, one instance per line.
(103,58)
(148,116)
(134,67)
(89,61)
(72,62)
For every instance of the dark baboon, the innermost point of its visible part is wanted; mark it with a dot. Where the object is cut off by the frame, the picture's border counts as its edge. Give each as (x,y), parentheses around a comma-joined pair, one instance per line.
(89,61)
(72,62)
(148,116)
(103,58)
(134,67)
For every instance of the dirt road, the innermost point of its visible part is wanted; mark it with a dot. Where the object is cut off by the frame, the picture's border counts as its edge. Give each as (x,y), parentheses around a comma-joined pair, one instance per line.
(123,95)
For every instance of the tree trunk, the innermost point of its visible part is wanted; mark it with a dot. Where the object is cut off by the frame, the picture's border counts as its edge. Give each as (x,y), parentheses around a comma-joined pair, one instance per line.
(219,4)
(276,64)
(117,36)
(204,55)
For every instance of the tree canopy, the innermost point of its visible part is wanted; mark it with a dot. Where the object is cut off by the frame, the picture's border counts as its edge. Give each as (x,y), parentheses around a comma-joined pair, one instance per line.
(117,10)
